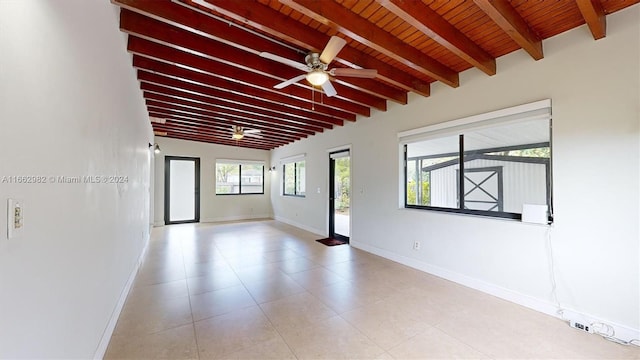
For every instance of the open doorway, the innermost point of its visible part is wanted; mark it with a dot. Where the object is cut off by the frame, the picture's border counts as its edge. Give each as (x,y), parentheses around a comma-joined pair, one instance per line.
(340,195)
(181,190)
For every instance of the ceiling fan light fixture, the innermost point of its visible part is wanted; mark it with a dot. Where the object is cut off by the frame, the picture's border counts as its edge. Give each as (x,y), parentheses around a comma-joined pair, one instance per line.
(317,77)
(237,136)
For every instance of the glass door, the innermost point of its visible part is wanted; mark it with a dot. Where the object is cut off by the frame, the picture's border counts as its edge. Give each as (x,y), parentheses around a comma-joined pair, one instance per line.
(339,195)
(181,190)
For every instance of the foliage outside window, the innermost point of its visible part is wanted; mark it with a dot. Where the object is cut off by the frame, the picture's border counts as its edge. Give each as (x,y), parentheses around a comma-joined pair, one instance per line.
(294,178)
(490,169)
(237,178)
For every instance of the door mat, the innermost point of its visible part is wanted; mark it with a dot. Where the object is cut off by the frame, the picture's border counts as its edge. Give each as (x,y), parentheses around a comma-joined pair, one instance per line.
(331,242)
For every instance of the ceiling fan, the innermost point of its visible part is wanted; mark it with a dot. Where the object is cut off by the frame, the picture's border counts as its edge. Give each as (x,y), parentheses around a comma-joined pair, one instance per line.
(238,132)
(316,67)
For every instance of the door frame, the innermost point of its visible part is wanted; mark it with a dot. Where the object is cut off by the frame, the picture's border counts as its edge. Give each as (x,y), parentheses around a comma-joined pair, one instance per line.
(332,233)
(167,183)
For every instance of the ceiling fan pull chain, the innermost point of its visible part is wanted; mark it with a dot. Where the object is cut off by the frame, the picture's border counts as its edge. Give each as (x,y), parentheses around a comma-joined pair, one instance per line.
(313,98)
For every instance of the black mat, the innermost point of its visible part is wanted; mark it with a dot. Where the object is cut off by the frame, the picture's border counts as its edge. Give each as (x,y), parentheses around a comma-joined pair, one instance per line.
(331,241)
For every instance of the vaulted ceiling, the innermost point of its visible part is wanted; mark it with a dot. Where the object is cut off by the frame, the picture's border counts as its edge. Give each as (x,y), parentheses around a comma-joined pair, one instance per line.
(206,66)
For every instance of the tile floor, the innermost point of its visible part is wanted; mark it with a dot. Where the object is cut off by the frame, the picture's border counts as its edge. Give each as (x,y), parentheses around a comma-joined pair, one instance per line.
(266,290)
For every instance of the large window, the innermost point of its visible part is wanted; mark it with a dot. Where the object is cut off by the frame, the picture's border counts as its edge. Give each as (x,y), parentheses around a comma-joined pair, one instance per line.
(294,178)
(239,177)
(490,165)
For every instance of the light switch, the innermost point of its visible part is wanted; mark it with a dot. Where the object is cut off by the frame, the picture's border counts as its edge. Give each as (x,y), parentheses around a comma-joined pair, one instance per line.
(318,190)
(15,218)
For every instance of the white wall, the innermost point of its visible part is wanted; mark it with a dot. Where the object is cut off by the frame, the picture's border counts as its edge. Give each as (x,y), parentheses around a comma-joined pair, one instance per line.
(69,106)
(595,92)
(213,208)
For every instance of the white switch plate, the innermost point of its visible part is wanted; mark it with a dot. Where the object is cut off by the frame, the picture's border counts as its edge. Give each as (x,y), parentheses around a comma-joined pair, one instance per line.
(15,218)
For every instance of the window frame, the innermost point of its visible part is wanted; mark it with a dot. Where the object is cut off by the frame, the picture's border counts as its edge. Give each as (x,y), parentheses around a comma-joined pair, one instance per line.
(466,125)
(240,163)
(296,190)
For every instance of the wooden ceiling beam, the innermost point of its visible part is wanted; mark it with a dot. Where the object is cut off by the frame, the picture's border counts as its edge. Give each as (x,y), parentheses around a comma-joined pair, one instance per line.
(204,130)
(231,78)
(202,82)
(153,30)
(293,115)
(218,140)
(217,121)
(276,123)
(340,18)
(255,114)
(265,98)
(434,26)
(274,23)
(166,54)
(508,19)
(593,14)
(191,91)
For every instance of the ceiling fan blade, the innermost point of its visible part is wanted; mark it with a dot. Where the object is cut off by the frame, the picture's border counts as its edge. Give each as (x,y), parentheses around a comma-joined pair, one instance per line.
(255,136)
(359,73)
(283,60)
(290,81)
(329,90)
(332,49)
(252,131)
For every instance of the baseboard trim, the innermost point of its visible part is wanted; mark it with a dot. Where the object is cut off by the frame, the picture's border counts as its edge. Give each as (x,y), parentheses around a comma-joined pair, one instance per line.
(236,218)
(111,326)
(301,226)
(622,332)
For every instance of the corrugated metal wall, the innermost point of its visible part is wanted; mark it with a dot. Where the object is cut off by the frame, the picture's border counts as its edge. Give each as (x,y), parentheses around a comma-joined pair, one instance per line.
(524,183)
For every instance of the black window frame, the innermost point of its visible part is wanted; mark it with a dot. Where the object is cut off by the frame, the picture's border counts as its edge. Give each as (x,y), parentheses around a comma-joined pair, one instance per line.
(462,157)
(239,179)
(295,179)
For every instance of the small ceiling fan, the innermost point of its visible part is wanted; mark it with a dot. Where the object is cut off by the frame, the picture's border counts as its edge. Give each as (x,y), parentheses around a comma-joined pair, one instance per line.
(238,132)
(316,67)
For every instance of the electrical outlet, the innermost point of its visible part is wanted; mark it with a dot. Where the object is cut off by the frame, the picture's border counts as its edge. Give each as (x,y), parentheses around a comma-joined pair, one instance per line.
(580,326)
(416,245)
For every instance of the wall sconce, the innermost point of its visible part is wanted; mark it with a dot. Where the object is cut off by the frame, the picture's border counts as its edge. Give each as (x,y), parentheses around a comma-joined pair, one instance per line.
(156,148)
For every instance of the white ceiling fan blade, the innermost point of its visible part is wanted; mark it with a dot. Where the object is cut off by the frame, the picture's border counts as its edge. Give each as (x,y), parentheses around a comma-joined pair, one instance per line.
(290,81)
(332,49)
(252,131)
(255,136)
(283,60)
(359,73)
(328,88)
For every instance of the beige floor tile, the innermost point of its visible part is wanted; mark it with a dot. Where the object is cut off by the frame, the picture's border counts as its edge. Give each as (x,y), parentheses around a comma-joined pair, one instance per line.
(273,289)
(316,278)
(216,280)
(319,302)
(142,318)
(332,338)
(386,323)
(156,274)
(295,265)
(158,292)
(296,311)
(198,269)
(176,343)
(237,331)
(219,302)
(281,254)
(434,344)
(344,296)
(259,272)
(275,349)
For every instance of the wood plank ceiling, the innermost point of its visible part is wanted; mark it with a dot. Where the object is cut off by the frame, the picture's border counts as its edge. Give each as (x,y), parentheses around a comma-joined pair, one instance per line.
(201,72)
